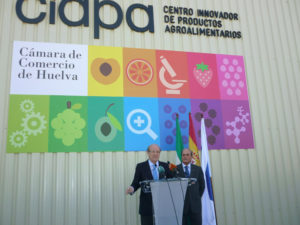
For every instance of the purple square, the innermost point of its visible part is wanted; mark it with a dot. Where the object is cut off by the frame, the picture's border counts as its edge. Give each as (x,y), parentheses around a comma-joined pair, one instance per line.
(211,110)
(237,125)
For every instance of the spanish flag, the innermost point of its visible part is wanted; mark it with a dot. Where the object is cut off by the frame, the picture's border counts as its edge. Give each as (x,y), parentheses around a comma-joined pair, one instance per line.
(193,143)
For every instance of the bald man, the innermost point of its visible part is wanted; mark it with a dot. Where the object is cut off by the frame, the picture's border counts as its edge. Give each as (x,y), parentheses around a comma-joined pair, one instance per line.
(192,204)
(147,170)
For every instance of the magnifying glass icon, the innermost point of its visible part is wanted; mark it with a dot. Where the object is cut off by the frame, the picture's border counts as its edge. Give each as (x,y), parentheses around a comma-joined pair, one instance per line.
(139,121)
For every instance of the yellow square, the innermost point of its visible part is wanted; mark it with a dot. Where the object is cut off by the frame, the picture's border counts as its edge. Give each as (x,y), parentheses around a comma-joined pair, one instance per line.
(105,71)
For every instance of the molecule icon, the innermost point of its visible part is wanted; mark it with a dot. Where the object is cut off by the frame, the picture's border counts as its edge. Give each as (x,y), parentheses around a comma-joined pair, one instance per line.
(238,124)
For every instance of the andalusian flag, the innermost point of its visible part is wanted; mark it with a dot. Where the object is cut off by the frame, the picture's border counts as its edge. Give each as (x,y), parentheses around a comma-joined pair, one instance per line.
(193,143)
(179,144)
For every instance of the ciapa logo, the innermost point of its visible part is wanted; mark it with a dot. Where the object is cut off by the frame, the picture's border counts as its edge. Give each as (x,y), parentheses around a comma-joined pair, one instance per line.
(84,20)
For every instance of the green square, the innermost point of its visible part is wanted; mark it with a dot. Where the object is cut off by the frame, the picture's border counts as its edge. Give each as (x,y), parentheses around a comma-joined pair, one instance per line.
(68,124)
(28,124)
(106,124)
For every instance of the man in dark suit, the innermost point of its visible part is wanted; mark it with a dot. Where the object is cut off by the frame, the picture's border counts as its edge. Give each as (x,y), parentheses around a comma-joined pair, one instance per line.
(192,204)
(147,170)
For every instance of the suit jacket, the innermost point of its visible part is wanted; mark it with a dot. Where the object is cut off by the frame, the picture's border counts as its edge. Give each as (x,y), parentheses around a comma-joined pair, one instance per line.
(143,172)
(192,202)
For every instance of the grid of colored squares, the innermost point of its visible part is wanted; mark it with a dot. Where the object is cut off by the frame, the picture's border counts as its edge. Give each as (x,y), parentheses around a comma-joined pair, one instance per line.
(169,74)
(80,70)
(78,124)
(123,99)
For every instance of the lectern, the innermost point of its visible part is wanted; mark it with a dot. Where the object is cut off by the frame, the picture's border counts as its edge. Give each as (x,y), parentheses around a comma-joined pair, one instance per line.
(168,199)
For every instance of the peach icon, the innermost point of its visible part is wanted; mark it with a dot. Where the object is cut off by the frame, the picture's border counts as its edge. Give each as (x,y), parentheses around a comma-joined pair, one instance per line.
(105,71)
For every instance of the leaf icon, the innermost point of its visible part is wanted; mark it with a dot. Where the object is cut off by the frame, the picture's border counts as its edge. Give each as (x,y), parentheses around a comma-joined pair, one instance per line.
(114,121)
(76,106)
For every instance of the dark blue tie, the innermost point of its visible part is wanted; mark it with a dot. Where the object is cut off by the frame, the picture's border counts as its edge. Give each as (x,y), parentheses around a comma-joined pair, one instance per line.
(186,171)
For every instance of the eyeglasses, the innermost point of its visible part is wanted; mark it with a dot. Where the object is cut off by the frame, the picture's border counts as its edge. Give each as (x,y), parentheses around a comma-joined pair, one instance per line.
(154,152)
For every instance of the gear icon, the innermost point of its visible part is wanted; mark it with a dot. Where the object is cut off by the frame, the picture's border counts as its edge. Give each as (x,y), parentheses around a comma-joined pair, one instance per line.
(27,106)
(34,123)
(18,139)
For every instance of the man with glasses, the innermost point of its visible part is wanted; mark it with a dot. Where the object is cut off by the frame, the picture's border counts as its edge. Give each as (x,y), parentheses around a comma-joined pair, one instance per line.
(148,170)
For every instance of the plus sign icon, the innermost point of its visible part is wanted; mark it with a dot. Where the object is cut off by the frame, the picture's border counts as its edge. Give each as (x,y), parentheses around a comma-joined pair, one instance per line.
(139,122)
(142,126)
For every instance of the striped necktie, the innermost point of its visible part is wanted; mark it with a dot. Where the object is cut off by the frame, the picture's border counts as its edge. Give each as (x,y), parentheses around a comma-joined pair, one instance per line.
(186,171)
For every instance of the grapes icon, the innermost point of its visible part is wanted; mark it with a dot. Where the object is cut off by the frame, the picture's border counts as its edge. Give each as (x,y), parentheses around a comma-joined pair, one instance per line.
(68,125)
(106,127)
(209,122)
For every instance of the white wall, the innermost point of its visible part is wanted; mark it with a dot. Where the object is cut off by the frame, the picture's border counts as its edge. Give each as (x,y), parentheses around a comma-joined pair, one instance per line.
(252,187)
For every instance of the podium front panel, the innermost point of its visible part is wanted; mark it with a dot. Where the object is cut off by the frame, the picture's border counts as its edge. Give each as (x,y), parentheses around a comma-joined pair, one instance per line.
(168,200)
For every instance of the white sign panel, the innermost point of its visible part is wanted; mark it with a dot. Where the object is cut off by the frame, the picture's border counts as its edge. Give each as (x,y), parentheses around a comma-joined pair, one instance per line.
(49,69)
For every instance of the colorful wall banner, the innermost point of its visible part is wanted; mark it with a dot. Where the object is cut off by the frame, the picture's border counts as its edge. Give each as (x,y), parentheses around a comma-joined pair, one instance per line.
(78,98)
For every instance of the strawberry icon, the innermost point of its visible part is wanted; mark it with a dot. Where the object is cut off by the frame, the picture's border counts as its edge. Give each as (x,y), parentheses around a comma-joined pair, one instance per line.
(203,74)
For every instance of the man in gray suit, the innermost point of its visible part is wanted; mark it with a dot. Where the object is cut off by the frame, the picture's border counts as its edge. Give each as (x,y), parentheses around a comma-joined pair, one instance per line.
(192,204)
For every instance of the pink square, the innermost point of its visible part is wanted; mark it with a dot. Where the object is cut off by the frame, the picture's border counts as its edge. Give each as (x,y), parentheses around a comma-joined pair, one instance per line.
(232,79)
(203,76)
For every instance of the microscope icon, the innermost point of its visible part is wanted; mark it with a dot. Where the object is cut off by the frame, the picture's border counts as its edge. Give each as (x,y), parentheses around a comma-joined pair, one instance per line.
(172,88)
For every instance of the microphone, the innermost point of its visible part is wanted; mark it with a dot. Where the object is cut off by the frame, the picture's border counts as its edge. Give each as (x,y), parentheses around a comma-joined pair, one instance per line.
(173,169)
(162,172)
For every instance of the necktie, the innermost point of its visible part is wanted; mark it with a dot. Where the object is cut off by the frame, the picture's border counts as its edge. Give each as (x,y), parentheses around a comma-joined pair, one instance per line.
(186,171)
(154,173)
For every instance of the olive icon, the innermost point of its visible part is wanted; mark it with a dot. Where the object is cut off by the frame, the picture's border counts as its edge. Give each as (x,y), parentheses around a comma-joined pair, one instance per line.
(106,127)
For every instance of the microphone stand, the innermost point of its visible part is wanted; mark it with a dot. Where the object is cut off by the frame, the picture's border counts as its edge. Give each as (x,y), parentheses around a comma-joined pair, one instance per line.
(176,175)
(172,199)
(181,189)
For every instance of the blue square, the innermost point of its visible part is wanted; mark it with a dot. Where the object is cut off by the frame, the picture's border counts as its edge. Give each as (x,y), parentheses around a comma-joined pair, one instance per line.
(168,108)
(141,123)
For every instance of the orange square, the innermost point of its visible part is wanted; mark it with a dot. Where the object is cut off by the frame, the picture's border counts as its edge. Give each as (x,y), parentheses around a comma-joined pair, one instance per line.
(140,78)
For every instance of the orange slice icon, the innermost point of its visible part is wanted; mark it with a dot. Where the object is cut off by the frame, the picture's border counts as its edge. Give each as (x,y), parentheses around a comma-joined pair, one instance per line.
(139,72)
